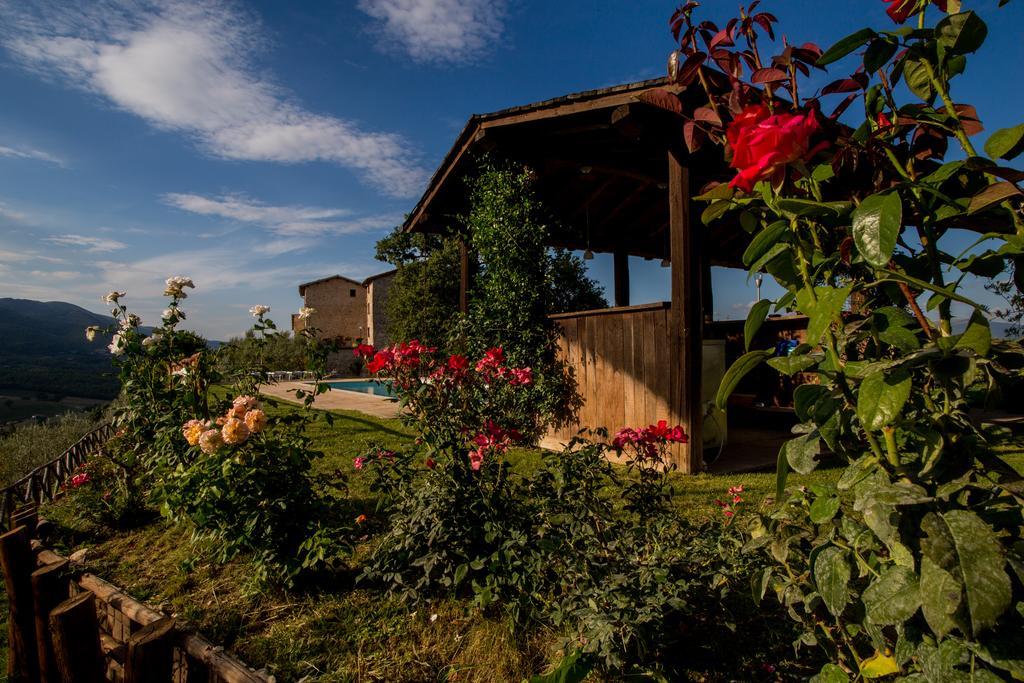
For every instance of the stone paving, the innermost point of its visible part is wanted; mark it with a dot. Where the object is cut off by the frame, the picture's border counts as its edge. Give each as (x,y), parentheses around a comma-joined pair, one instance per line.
(336,399)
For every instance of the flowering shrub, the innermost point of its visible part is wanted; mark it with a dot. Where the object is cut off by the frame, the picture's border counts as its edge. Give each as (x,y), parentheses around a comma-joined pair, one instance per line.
(910,563)
(226,468)
(460,408)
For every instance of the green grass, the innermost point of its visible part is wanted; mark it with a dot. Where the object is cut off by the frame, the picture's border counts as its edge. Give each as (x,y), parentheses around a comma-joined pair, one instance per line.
(340,632)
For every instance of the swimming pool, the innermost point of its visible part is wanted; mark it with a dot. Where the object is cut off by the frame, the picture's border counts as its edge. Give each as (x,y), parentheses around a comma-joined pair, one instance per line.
(362,387)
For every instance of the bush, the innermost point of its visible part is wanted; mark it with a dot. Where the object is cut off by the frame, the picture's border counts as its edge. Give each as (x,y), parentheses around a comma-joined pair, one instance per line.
(911,563)
(236,479)
(28,446)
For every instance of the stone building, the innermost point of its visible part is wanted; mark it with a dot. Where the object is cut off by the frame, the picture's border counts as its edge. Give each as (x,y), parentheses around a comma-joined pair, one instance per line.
(347,310)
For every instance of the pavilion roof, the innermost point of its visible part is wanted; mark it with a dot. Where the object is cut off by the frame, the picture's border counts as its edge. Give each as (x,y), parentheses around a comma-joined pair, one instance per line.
(600,159)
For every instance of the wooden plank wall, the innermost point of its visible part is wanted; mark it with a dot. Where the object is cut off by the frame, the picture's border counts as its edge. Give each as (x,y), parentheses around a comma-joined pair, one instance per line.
(620,360)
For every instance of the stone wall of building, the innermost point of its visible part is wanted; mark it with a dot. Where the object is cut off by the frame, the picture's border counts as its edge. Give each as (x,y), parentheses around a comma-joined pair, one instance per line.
(340,309)
(376,309)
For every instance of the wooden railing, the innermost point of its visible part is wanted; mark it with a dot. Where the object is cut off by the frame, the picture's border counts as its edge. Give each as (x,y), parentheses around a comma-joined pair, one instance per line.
(66,626)
(42,484)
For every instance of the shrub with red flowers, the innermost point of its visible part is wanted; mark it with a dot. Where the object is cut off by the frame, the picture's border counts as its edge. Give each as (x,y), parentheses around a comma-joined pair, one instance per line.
(873,214)
(448,499)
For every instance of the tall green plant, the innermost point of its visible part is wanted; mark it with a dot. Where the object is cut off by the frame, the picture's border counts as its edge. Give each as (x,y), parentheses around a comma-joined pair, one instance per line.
(912,562)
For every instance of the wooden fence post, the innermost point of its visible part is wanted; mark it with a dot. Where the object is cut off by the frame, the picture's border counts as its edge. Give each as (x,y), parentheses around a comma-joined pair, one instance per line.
(49,589)
(27,517)
(76,640)
(150,653)
(18,562)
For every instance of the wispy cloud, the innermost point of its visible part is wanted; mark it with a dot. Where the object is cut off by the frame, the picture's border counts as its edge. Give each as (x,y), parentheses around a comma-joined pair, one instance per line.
(286,221)
(55,274)
(29,153)
(188,67)
(90,244)
(440,31)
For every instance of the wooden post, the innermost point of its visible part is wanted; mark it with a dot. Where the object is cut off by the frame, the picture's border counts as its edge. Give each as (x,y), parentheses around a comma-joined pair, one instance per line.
(621,260)
(49,589)
(18,563)
(76,640)
(26,517)
(150,653)
(685,338)
(463,277)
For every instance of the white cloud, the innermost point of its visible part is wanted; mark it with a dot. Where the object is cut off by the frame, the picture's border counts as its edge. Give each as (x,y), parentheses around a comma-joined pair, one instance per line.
(285,221)
(91,244)
(439,31)
(29,153)
(188,67)
(11,214)
(55,274)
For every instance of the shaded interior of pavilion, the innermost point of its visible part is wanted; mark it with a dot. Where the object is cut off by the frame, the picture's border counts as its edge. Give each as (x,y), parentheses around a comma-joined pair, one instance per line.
(616,175)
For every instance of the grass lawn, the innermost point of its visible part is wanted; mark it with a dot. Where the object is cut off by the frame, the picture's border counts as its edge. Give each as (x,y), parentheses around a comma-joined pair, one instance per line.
(336,631)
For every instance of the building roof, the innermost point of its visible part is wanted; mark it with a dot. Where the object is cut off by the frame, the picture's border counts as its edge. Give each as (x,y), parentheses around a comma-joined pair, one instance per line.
(386,273)
(302,287)
(600,158)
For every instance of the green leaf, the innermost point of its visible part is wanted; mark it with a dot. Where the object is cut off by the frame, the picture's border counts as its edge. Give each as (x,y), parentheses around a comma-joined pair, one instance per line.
(572,669)
(781,474)
(832,577)
(881,397)
(981,563)
(993,194)
(922,284)
(916,76)
(978,336)
(755,318)
(764,241)
(1005,143)
(879,52)
(790,365)
(879,665)
(737,371)
(830,673)
(801,453)
(876,226)
(813,403)
(962,33)
(893,597)
(822,311)
(845,46)
(460,573)
(714,211)
(940,597)
(824,509)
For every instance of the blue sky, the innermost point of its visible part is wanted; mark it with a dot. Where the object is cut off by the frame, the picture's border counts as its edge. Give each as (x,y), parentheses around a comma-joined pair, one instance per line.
(255,145)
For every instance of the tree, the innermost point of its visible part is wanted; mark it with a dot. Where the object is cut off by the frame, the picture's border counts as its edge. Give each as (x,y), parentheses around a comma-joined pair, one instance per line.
(424,295)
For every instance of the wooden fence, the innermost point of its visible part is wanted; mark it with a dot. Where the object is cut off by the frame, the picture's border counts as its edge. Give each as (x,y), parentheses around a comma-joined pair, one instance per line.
(66,626)
(42,484)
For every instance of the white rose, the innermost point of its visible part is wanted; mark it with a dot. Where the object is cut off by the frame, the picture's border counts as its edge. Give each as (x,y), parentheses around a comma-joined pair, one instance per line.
(115,345)
(112,297)
(305,312)
(259,310)
(149,341)
(90,332)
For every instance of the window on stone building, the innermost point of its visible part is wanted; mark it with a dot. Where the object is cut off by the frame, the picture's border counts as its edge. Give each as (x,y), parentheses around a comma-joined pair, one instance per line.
(351,292)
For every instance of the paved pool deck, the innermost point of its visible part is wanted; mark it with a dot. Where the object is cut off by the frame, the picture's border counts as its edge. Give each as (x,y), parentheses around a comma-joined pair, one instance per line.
(336,399)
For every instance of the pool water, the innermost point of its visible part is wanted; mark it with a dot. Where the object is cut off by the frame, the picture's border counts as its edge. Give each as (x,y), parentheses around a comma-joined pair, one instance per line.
(362,387)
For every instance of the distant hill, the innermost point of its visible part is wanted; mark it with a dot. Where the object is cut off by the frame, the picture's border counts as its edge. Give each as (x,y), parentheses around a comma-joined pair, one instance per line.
(43,349)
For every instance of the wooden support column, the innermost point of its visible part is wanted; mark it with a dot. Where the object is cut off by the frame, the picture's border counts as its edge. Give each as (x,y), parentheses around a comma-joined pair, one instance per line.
(621,278)
(463,277)
(686,321)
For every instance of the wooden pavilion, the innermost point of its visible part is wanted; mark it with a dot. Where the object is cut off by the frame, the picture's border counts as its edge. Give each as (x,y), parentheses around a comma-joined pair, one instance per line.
(616,173)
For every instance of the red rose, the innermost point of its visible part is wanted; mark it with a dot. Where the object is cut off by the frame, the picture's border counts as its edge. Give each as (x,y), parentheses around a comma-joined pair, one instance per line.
(900,10)
(762,143)
(364,351)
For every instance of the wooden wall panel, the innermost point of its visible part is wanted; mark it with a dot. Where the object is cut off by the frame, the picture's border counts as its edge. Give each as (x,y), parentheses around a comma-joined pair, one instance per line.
(621,360)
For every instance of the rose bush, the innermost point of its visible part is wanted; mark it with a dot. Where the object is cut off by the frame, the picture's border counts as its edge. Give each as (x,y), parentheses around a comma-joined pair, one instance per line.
(222,465)
(911,563)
